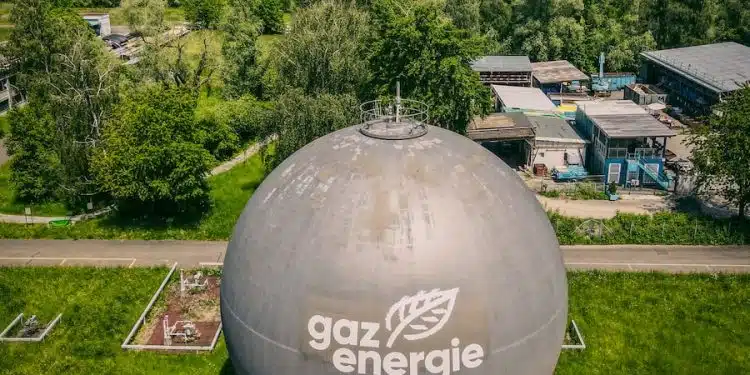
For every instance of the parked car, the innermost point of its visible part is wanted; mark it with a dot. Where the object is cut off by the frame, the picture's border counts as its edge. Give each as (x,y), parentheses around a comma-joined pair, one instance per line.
(573,172)
(115,41)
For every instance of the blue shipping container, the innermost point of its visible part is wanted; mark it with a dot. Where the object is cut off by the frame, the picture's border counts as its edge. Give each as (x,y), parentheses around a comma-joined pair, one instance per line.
(616,81)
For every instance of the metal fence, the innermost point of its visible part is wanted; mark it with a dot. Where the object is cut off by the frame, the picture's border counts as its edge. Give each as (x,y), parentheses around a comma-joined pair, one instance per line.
(574,187)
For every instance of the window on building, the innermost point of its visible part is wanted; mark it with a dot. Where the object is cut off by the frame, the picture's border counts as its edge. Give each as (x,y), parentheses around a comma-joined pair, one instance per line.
(613,174)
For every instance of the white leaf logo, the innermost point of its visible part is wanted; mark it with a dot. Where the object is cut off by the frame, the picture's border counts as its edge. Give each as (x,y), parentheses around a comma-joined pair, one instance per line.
(420,315)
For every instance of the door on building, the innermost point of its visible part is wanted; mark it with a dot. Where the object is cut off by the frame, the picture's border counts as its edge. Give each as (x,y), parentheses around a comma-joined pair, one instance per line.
(613,173)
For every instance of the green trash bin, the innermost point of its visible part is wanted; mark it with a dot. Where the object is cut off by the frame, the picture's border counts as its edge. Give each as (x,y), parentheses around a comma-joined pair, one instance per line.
(60,223)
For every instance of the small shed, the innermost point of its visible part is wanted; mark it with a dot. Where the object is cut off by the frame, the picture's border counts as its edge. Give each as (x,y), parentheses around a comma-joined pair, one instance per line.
(521,99)
(558,76)
(556,143)
(504,70)
(99,22)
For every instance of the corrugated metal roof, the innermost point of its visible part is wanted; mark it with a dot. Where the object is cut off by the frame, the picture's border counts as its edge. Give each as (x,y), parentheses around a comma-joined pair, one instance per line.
(530,98)
(552,129)
(502,64)
(720,67)
(557,72)
(500,126)
(623,119)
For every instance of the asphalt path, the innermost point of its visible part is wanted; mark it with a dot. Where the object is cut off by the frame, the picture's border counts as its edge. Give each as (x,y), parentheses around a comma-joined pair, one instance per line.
(196,253)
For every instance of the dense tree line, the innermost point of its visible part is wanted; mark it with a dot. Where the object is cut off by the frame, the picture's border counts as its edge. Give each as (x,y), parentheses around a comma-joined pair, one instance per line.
(578,30)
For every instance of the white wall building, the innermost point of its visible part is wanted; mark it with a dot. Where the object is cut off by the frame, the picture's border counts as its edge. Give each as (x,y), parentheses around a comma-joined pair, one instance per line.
(556,143)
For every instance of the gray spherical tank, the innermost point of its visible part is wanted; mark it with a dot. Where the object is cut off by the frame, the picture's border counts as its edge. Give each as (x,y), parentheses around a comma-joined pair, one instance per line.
(424,254)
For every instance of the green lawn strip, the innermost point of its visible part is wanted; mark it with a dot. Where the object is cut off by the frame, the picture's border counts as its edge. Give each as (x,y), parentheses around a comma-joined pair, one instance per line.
(99,307)
(633,323)
(651,323)
(5,9)
(230,191)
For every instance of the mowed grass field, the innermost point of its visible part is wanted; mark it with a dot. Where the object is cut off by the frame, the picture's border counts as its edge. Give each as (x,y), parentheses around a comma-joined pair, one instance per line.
(99,308)
(646,323)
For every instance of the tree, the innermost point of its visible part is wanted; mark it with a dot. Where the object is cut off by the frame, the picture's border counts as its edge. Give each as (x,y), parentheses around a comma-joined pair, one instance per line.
(35,167)
(204,14)
(242,71)
(423,50)
(465,13)
(298,119)
(68,75)
(271,14)
(326,49)
(145,17)
(721,154)
(151,162)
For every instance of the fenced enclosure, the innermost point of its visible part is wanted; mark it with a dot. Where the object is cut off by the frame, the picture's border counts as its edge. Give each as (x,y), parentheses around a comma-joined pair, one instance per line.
(40,332)
(573,339)
(185,332)
(573,190)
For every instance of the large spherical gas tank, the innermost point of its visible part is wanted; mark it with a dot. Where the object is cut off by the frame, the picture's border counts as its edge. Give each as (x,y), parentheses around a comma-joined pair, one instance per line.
(364,255)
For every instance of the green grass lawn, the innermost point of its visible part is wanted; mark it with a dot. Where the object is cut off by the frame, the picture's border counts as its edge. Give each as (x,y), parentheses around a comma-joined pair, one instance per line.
(5,13)
(99,307)
(633,324)
(641,323)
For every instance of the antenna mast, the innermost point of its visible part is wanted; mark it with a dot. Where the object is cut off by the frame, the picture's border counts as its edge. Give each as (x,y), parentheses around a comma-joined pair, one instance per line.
(398,101)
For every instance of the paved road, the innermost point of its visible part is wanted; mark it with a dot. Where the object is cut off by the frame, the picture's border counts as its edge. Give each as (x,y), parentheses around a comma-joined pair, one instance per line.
(193,253)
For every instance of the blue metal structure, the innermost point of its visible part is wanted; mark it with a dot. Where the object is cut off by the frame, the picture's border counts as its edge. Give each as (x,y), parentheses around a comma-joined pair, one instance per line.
(612,81)
(625,158)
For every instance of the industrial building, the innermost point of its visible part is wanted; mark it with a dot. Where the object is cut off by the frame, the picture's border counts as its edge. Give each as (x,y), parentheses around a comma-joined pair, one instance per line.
(558,76)
(521,139)
(628,145)
(521,99)
(696,78)
(504,70)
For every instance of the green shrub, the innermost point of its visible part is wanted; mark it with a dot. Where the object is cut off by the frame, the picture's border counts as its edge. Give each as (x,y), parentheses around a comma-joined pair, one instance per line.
(550,193)
(668,228)
(205,14)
